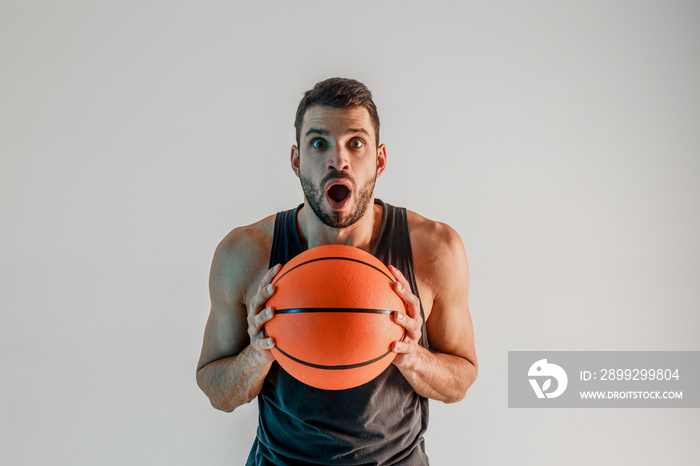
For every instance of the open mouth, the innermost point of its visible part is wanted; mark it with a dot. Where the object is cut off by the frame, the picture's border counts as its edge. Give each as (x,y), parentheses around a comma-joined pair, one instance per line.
(337,195)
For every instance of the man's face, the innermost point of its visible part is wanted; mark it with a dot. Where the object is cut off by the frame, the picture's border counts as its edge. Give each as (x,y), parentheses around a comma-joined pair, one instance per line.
(338,162)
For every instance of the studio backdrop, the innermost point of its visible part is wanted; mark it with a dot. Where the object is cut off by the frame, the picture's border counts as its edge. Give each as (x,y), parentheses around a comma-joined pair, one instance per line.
(558,138)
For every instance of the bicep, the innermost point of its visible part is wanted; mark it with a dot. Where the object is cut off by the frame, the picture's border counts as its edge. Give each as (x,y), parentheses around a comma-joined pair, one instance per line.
(226,331)
(449,326)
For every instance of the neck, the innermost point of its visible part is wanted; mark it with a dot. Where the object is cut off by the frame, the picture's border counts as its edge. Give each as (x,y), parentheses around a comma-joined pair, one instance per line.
(362,234)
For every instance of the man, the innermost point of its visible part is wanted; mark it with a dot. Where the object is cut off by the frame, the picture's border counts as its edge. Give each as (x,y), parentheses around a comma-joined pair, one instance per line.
(338,158)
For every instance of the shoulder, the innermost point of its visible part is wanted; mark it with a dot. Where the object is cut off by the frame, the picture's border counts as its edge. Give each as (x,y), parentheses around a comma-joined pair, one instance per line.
(432,239)
(241,259)
(438,252)
(247,242)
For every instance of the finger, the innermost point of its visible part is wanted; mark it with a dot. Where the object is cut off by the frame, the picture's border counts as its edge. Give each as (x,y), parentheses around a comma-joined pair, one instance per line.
(269,275)
(262,341)
(263,317)
(265,290)
(412,326)
(403,320)
(401,285)
(257,321)
(403,289)
(406,346)
(400,279)
(266,343)
(260,298)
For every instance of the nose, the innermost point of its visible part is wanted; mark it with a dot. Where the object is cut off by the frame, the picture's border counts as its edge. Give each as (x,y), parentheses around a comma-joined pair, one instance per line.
(338,158)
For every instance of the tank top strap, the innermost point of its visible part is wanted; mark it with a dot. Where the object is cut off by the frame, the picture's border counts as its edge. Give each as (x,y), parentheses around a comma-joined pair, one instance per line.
(393,247)
(286,243)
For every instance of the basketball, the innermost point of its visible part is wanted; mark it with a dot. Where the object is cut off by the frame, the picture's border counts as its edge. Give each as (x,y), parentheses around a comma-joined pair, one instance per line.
(333,324)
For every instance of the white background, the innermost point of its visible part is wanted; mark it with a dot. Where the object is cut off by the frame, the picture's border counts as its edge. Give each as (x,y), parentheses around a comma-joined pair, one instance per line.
(560,139)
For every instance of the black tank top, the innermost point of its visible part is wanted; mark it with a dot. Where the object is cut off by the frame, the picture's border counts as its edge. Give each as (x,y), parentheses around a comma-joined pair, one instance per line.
(379,423)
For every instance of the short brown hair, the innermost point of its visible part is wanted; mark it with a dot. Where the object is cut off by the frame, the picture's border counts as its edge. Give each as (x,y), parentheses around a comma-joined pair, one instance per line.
(337,93)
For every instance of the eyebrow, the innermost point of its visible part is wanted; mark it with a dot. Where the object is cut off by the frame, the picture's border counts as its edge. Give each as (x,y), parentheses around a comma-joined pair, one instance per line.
(323,132)
(320,131)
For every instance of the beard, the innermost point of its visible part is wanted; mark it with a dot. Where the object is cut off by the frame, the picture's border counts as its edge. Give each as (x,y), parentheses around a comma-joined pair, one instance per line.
(316,198)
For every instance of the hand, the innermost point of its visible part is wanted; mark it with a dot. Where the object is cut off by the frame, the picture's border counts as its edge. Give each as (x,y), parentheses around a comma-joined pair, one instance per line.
(258,315)
(407,349)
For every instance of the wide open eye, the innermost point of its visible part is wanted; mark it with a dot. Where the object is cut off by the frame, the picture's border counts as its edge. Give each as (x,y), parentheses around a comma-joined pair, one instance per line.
(356,143)
(319,144)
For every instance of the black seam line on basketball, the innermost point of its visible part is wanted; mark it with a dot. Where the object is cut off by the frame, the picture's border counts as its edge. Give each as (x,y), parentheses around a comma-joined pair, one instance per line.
(302,310)
(333,368)
(335,258)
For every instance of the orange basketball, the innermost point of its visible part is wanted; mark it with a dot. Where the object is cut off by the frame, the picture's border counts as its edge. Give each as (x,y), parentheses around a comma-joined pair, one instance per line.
(333,324)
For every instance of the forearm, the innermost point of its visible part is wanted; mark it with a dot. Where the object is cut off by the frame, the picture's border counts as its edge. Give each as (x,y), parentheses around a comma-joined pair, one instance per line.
(233,381)
(439,376)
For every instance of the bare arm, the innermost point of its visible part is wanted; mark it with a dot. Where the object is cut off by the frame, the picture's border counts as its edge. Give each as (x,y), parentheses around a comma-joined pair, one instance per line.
(448,369)
(235,358)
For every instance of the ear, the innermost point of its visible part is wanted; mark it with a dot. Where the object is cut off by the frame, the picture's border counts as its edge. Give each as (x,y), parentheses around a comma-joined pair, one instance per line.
(294,159)
(381,159)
